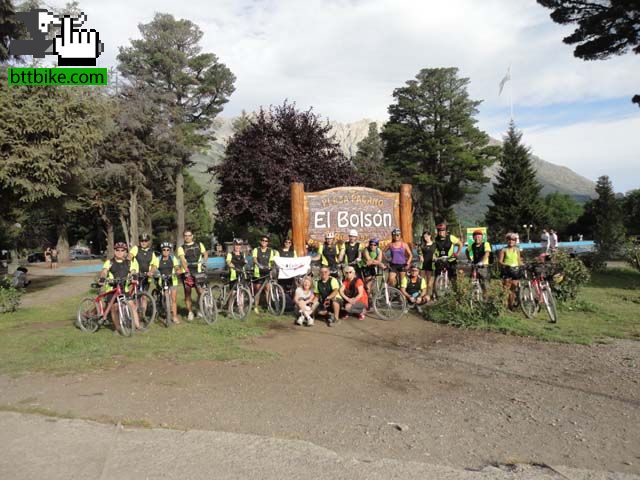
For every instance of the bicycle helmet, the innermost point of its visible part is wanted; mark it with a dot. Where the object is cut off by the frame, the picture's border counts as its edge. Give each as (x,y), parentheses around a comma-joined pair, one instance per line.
(144,236)
(166,245)
(118,245)
(375,241)
(237,241)
(329,235)
(441,226)
(396,231)
(477,232)
(353,233)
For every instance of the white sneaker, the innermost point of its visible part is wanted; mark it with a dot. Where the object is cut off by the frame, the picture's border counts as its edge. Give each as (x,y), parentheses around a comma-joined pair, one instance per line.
(200,314)
(190,317)
(309,321)
(299,320)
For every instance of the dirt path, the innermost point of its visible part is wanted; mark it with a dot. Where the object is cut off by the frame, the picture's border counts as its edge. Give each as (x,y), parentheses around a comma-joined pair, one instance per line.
(409,390)
(49,285)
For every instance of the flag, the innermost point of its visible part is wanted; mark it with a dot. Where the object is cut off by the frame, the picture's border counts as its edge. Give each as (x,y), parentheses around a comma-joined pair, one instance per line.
(292,267)
(506,78)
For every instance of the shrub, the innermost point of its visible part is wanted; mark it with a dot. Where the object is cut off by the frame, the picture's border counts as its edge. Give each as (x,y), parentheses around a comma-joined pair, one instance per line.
(632,254)
(569,275)
(9,297)
(457,309)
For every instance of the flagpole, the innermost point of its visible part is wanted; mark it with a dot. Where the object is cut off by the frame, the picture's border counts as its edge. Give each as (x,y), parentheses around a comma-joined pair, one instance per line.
(510,93)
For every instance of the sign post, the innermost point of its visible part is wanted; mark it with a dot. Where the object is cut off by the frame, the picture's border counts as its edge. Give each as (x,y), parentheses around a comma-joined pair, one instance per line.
(371,212)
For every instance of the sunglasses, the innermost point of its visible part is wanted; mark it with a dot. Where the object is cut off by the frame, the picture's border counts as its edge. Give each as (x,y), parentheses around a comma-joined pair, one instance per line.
(144,240)
(166,249)
(120,250)
(263,240)
(349,273)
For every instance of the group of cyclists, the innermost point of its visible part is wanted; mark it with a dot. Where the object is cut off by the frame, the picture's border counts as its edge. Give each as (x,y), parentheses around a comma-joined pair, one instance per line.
(346,275)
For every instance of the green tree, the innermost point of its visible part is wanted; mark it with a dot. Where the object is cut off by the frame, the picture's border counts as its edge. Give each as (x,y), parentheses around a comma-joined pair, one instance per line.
(609,231)
(48,137)
(604,27)
(515,200)
(280,146)
(10,28)
(369,162)
(562,211)
(631,211)
(191,86)
(431,141)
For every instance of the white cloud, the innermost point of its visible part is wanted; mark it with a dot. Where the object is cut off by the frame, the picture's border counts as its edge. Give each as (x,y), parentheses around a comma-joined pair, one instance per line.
(593,149)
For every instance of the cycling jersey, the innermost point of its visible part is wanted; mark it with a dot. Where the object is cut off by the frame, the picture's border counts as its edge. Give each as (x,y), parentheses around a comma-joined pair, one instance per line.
(511,257)
(119,270)
(351,290)
(192,253)
(351,252)
(235,262)
(398,254)
(476,252)
(329,255)
(168,266)
(262,261)
(144,256)
(445,246)
(291,253)
(411,287)
(323,289)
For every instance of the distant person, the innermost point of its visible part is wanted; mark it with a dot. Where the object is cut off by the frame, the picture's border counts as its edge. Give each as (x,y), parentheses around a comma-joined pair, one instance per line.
(47,256)
(193,258)
(401,257)
(553,240)
(544,240)
(54,258)
(510,262)
(427,247)
(580,237)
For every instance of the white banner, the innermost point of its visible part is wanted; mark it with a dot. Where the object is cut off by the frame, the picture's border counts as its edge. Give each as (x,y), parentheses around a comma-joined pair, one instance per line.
(292,267)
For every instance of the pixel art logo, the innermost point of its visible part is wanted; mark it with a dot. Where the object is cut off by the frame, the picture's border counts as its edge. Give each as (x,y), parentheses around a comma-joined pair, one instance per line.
(73,46)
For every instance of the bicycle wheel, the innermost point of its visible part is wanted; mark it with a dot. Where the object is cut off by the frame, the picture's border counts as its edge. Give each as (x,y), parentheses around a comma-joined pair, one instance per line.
(88,319)
(125,318)
(218,296)
(240,305)
(527,299)
(208,307)
(550,304)
(276,299)
(441,286)
(167,302)
(389,303)
(146,307)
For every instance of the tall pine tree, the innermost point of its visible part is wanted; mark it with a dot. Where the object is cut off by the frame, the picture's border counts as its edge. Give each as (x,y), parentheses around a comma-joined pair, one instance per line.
(609,231)
(516,199)
(369,162)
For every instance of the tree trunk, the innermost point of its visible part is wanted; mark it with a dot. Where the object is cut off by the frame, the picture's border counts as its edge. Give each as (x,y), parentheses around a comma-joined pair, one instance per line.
(148,227)
(180,213)
(125,228)
(110,237)
(63,244)
(133,214)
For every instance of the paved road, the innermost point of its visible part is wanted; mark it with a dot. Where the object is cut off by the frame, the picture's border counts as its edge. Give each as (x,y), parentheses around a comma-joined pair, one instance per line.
(37,447)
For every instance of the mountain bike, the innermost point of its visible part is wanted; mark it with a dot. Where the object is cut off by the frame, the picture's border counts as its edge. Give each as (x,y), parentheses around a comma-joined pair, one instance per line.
(442,284)
(536,291)
(206,303)
(274,293)
(388,302)
(162,294)
(144,302)
(92,313)
(234,296)
(476,284)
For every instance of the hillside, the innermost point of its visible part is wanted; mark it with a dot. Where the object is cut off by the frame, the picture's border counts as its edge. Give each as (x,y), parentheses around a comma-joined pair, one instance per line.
(554,178)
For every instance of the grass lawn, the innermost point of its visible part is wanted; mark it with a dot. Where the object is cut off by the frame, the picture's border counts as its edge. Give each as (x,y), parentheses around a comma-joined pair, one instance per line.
(44,338)
(609,307)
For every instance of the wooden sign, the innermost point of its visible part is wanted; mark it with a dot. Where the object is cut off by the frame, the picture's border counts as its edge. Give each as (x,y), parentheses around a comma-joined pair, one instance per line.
(371,212)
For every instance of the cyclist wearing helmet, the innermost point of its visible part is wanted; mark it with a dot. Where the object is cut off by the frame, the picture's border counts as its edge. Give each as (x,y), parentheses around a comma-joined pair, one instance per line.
(353,252)
(262,265)
(401,257)
(478,252)
(371,260)
(235,260)
(145,256)
(427,247)
(330,254)
(446,247)
(118,269)
(510,261)
(167,264)
(192,256)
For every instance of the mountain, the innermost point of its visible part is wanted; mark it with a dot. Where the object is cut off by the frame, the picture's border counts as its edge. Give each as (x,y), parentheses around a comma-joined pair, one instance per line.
(554,178)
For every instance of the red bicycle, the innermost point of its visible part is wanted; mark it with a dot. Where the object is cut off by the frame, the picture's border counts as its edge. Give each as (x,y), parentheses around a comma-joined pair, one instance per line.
(92,312)
(536,291)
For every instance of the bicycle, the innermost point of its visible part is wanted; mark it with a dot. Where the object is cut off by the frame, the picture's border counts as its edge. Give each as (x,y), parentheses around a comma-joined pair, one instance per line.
(206,303)
(535,292)
(388,302)
(162,294)
(92,313)
(238,299)
(476,284)
(276,300)
(442,284)
(146,314)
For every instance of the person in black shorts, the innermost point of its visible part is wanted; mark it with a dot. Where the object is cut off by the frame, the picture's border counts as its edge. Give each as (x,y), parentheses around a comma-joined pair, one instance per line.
(427,247)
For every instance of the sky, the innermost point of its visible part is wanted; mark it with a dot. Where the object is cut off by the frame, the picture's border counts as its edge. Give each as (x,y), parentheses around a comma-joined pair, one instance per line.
(345,57)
